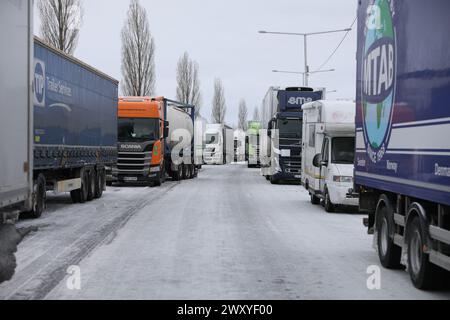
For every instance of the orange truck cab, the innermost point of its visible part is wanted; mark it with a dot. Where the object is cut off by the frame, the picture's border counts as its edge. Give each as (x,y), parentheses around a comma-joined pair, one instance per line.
(143,130)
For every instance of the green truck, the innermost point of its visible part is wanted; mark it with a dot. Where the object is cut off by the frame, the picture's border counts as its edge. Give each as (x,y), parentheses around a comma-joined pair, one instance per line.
(252,144)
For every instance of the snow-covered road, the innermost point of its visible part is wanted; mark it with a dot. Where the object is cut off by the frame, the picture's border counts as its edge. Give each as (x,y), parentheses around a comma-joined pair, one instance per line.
(227,235)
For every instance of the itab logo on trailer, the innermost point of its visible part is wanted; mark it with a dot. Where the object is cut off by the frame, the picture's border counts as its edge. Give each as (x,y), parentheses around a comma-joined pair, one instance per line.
(39,83)
(378,74)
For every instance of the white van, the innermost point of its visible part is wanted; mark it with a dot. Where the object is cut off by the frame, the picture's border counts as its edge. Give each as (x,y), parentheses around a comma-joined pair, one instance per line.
(328,152)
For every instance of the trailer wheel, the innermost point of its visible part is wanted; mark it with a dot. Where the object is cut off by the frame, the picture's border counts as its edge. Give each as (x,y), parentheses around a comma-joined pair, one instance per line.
(328,205)
(178,174)
(84,190)
(40,196)
(423,273)
(92,185)
(99,183)
(388,252)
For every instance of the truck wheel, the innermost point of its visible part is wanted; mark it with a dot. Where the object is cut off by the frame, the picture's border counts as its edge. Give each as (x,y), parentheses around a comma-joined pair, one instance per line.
(191,171)
(315,200)
(388,252)
(100,183)
(273,180)
(423,273)
(184,172)
(178,174)
(92,185)
(328,205)
(84,190)
(40,196)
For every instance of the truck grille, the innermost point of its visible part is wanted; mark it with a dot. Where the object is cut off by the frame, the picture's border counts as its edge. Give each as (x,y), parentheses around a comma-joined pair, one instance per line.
(134,162)
(293,165)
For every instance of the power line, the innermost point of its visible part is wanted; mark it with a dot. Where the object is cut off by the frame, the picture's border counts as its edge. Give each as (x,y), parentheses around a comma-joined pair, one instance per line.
(337,48)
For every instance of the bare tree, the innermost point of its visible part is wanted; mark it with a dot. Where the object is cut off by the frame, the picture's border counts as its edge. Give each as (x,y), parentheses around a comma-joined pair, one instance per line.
(60,23)
(138,53)
(243,114)
(256,115)
(219,108)
(188,84)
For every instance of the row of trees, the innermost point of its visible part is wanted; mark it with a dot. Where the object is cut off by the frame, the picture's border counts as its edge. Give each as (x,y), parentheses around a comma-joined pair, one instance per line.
(60,26)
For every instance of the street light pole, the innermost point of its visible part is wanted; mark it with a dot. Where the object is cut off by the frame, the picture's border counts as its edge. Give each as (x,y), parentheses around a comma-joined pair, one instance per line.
(305,44)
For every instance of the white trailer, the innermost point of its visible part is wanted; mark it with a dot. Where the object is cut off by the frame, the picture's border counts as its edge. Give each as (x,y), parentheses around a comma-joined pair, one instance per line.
(328,152)
(16,112)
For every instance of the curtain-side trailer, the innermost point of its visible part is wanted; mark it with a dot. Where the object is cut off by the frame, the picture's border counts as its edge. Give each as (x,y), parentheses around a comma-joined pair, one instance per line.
(402,165)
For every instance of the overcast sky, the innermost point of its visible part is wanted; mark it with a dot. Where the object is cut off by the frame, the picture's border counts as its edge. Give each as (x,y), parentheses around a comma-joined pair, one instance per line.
(221,35)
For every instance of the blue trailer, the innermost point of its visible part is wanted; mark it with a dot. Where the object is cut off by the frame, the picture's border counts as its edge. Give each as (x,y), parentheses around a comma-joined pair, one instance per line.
(75,126)
(284,109)
(402,165)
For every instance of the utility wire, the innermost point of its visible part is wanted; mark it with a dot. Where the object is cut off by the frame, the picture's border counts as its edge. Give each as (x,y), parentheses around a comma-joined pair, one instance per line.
(339,45)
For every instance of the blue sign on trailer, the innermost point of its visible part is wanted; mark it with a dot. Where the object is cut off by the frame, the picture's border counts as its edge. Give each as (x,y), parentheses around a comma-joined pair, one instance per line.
(403,98)
(75,112)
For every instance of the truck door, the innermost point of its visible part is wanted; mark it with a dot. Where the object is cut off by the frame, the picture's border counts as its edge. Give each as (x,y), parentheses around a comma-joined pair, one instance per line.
(325,160)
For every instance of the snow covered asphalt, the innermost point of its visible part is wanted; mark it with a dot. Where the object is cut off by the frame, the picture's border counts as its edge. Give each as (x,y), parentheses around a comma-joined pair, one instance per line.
(229,234)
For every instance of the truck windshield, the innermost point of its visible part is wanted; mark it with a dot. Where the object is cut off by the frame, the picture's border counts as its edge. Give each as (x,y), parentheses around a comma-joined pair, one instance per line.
(212,138)
(343,150)
(138,129)
(290,128)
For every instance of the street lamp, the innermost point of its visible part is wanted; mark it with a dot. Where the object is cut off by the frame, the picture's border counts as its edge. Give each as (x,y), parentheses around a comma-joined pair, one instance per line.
(305,38)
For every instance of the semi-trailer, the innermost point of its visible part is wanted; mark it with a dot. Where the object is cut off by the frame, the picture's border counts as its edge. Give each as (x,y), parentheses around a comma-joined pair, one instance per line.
(16,126)
(156,138)
(402,165)
(75,126)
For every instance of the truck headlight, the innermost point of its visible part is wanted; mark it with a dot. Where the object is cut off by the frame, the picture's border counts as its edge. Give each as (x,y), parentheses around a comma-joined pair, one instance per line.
(343,179)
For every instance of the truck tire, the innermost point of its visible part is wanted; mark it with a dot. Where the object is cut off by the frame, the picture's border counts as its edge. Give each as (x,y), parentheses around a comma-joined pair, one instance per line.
(424,274)
(315,200)
(92,185)
(82,193)
(388,252)
(100,179)
(273,180)
(39,199)
(328,205)
(178,174)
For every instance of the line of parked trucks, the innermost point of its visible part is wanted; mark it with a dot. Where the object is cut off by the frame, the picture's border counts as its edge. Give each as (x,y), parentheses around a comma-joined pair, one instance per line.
(388,153)
(63,128)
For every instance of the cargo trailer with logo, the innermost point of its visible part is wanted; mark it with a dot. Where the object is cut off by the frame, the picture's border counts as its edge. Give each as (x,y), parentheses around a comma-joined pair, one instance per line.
(402,165)
(75,126)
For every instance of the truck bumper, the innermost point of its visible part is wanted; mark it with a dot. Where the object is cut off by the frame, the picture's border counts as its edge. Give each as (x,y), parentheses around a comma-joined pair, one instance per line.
(284,176)
(339,195)
(132,178)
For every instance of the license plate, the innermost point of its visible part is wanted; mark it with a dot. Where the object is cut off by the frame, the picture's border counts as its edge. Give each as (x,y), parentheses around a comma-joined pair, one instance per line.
(130,179)
(298,177)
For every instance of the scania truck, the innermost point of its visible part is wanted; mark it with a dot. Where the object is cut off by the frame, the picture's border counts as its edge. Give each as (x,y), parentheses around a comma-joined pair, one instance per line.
(285,131)
(156,138)
(402,165)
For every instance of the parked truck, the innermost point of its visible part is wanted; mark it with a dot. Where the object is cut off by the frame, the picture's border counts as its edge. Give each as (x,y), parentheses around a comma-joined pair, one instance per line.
(402,165)
(156,139)
(252,144)
(219,144)
(285,131)
(75,126)
(16,126)
(328,152)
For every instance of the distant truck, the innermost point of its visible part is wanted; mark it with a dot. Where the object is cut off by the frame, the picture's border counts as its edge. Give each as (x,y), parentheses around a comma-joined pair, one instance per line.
(252,144)
(156,138)
(284,109)
(239,145)
(402,165)
(219,140)
(16,110)
(328,152)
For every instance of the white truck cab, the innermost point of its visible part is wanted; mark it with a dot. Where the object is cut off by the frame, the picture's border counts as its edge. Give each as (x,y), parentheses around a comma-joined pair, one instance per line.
(328,152)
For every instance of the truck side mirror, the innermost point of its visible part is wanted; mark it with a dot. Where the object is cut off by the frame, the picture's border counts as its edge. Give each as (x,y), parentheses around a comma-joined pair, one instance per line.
(317,160)
(166,129)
